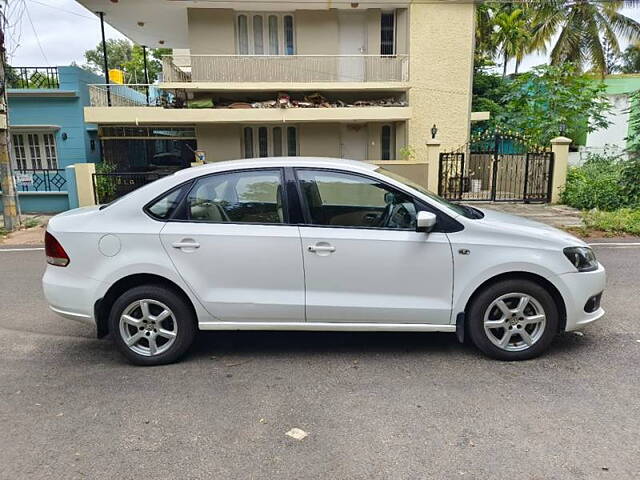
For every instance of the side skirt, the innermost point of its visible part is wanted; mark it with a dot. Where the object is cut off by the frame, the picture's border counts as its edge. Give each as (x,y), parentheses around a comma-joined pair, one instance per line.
(328,326)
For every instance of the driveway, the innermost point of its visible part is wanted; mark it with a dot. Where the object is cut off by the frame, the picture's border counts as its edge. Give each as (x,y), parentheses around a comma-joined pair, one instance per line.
(388,406)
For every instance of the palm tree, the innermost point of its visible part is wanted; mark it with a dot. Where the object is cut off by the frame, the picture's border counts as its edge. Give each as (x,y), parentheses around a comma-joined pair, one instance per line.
(582,27)
(511,36)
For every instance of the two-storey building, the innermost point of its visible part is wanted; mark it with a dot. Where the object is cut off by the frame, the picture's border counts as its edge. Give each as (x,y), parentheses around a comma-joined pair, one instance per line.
(47,133)
(360,80)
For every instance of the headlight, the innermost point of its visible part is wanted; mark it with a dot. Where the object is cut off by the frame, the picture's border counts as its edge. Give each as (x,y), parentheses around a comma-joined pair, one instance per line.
(582,258)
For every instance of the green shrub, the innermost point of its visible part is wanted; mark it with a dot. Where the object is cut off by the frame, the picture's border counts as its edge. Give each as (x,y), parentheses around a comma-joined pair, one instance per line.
(625,220)
(596,184)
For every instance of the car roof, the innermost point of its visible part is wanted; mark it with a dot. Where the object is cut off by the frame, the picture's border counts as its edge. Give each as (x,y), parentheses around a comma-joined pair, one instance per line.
(318,162)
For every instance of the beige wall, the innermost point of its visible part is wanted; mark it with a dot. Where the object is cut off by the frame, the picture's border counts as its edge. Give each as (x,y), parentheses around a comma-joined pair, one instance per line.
(220,142)
(441,67)
(223,142)
(319,140)
(211,31)
(316,32)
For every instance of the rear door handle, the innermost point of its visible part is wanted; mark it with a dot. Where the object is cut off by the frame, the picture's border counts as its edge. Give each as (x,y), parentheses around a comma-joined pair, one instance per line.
(321,248)
(186,244)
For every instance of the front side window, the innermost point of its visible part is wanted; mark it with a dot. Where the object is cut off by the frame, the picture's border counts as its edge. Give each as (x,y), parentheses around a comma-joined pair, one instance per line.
(265,34)
(240,197)
(267,141)
(346,200)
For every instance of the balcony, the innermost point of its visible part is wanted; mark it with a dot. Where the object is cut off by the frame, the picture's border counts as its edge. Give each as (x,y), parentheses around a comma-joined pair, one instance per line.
(149,104)
(287,69)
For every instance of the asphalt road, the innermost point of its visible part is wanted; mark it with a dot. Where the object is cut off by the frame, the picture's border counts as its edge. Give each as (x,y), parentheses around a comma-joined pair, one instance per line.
(392,406)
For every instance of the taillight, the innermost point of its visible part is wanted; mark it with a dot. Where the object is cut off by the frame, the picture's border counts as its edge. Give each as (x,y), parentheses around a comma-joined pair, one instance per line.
(54,251)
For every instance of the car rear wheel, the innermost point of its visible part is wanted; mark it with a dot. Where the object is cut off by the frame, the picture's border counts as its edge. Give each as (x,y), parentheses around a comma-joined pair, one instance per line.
(513,320)
(152,325)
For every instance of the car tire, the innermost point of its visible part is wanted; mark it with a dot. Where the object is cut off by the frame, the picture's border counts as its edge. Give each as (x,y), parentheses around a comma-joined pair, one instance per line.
(513,320)
(152,325)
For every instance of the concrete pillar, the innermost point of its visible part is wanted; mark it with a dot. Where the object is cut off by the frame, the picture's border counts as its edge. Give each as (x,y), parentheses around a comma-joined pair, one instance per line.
(433,159)
(84,183)
(72,189)
(560,149)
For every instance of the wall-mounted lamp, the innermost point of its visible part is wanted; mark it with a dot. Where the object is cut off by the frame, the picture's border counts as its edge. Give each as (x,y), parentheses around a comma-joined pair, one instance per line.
(92,145)
(64,135)
(161,42)
(562,128)
(434,131)
(141,24)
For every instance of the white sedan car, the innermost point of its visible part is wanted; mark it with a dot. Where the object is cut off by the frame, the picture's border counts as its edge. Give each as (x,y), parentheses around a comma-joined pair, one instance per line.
(313,244)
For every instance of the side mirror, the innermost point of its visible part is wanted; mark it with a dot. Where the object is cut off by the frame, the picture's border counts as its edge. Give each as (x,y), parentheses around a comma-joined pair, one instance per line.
(425,221)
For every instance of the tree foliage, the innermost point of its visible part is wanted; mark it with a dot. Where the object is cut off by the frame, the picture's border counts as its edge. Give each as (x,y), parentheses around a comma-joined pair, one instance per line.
(586,33)
(123,55)
(581,31)
(552,100)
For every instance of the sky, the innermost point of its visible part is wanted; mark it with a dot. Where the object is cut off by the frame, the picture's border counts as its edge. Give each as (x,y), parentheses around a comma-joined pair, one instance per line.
(58,32)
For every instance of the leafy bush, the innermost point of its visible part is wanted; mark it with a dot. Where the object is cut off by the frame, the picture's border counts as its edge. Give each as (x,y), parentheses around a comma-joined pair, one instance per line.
(625,220)
(596,184)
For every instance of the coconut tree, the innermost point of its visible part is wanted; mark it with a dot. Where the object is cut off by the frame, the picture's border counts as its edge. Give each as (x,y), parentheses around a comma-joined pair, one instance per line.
(511,36)
(578,30)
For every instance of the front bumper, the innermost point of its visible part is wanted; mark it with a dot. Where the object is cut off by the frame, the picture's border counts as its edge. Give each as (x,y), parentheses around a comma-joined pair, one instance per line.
(580,287)
(69,295)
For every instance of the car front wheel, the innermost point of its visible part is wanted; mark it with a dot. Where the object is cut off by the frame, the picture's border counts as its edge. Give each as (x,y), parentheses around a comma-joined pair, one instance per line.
(152,325)
(513,320)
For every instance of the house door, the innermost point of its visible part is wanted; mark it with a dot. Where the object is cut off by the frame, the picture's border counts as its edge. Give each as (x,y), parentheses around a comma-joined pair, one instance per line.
(353,141)
(353,42)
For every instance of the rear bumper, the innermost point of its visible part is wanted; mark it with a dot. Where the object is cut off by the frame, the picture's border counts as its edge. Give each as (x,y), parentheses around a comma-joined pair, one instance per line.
(70,296)
(581,286)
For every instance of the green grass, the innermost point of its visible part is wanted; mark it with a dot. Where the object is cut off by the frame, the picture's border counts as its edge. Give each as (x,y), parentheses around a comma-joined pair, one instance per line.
(3,232)
(622,221)
(31,222)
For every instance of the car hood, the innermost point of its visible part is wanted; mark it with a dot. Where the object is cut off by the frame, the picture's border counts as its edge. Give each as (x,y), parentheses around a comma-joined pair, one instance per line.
(521,227)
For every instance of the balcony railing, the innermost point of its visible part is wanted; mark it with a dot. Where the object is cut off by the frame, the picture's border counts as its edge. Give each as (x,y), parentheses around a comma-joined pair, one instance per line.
(32,77)
(289,68)
(130,95)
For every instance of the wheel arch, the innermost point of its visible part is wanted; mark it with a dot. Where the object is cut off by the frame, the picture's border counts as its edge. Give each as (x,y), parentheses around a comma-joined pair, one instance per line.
(102,307)
(522,275)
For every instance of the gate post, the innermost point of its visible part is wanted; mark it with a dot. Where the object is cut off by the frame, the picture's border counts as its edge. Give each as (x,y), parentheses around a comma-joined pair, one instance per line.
(433,159)
(560,149)
(84,183)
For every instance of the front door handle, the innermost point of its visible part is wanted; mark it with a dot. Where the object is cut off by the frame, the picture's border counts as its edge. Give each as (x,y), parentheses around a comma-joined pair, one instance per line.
(186,243)
(321,248)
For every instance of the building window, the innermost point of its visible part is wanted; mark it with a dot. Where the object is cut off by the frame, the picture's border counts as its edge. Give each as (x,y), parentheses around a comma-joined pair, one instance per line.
(50,151)
(34,151)
(388,33)
(267,141)
(243,35)
(387,142)
(20,154)
(265,34)
(292,141)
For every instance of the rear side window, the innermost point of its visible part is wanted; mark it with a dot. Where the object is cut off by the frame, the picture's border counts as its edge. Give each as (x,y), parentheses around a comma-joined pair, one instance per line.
(253,196)
(163,208)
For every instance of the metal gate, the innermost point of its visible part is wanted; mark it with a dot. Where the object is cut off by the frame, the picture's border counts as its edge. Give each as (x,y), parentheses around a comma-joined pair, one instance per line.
(497,167)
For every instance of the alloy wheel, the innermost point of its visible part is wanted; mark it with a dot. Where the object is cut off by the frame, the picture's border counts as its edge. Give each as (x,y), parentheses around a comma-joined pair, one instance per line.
(148,327)
(514,322)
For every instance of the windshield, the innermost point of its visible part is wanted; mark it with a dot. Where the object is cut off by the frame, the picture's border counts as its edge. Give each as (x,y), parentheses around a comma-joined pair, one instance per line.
(463,210)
